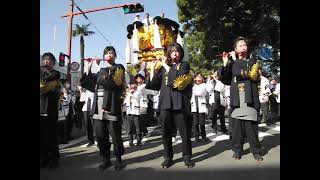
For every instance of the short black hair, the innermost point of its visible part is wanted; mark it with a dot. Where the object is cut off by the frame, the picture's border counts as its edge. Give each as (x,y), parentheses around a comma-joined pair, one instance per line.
(132,81)
(264,73)
(50,56)
(175,46)
(109,48)
(139,75)
(239,39)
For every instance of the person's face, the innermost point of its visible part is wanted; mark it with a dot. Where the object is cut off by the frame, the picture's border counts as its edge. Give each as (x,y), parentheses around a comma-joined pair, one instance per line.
(133,86)
(215,75)
(199,79)
(46,61)
(241,47)
(139,80)
(175,55)
(67,85)
(110,56)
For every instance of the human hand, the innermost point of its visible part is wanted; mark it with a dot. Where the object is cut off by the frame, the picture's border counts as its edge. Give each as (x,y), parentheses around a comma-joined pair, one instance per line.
(225,58)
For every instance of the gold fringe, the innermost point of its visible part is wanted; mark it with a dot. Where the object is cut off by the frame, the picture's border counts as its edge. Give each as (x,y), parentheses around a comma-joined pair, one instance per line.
(182,81)
(118,76)
(49,86)
(254,72)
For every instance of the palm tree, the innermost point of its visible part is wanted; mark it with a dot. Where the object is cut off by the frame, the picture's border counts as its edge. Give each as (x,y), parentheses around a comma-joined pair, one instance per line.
(81,31)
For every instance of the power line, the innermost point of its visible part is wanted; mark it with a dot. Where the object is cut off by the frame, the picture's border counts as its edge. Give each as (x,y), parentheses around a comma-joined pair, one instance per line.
(97,29)
(124,17)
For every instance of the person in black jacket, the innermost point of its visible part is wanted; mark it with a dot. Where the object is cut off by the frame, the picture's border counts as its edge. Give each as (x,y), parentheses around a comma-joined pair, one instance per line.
(175,84)
(109,85)
(49,100)
(243,78)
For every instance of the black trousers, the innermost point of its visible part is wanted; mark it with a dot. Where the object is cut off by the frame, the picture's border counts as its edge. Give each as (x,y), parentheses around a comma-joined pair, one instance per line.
(103,129)
(89,124)
(62,131)
(49,148)
(79,119)
(144,122)
(242,129)
(230,119)
(69,124)
(273,109)
(219,110)
(156,116)
(135,125)
(170,121)
(265,112)
(199,121)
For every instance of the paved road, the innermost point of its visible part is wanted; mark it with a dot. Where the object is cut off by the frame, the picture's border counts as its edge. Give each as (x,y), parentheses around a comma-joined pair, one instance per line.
(213,160)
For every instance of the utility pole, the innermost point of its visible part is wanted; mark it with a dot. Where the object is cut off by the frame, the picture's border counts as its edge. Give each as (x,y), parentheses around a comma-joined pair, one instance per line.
(133,8)
(70,40)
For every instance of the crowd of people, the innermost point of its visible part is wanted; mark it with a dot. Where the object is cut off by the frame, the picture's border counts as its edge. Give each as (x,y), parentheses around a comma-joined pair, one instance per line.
(168,95)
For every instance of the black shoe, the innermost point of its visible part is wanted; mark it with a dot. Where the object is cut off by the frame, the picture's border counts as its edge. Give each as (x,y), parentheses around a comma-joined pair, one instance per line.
(224,131)
(118,164)
(105,162)
(167,163)
(189,164)
(145,132)
(90,144)
(236,156)
(258,157)
(187,161)
(105,165)
(205,139)
(131,143)
(215,130)
(138,142)
(197,139)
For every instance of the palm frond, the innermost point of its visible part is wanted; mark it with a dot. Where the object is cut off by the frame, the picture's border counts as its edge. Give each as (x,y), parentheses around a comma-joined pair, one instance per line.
(81,30)
(90,33)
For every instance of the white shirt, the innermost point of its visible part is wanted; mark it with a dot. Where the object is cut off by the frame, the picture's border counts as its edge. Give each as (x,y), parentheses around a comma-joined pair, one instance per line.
(143,99)
(227,95)
(210,89)
(64,105)
(156,99)
(132,103)
(264,89)
(84,97)
(199,90)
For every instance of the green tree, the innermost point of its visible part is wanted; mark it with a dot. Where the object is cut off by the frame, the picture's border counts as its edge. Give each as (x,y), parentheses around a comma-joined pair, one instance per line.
(212,25)
(82,31)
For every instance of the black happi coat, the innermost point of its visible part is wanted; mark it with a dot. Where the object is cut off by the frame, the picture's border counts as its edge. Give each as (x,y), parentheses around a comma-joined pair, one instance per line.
(49,100)
(111,91)
(171,98)
(231,75)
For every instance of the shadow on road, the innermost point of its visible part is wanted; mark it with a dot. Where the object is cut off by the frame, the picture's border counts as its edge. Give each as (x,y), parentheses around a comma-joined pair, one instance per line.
(254,173)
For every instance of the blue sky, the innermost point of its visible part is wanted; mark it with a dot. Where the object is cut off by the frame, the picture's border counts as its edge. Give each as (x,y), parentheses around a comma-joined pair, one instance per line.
(111,23)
